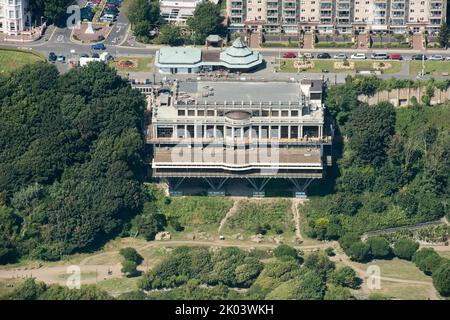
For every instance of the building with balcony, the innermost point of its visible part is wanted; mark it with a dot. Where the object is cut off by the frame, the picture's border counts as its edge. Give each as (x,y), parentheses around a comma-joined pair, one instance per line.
(342,16)
(253,131)
(15,16)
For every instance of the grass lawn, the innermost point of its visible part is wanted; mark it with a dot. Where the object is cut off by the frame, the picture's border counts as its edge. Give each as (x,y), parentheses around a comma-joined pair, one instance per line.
(434,68)
(403,291)
(117,286)
(84,275)
(445,254)
(397,268)
(142,64)
(270,214)
(287,65)
(8,285)
(11,60)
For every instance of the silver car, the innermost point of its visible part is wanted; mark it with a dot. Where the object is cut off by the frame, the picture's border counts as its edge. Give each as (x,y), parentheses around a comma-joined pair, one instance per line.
(436,57)
(340,56)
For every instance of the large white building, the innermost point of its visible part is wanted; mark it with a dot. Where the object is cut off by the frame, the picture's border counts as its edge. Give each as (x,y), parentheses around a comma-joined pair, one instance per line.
(178,11)
(14,16)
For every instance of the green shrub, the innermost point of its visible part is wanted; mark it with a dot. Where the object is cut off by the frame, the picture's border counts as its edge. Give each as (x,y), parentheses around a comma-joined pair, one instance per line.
(427,260)
(441,278)
(359,251)
(379,247)
(405,248)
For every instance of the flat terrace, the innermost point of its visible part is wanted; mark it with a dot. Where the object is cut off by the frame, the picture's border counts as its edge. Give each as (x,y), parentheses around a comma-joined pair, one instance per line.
(212,91)
(238,159)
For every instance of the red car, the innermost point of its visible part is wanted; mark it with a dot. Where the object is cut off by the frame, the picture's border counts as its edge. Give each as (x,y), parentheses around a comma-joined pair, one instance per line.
(395,56)
(289,55)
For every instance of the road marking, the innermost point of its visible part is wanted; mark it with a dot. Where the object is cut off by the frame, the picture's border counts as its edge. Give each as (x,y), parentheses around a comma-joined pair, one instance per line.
(60,38)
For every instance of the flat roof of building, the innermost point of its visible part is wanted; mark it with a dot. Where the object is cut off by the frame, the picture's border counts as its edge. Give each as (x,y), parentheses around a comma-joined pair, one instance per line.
(221,91)
(177,55)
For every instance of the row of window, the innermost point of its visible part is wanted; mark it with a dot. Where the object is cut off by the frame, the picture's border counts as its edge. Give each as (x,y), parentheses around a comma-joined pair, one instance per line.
(221,113)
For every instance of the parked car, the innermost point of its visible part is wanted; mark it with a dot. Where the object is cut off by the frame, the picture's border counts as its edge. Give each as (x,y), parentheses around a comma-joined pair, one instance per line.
(61,59)
(358,56)
(379,56)
(95,55)
(98,46)
(323,56)
(52,57)
(289,55)
(84,55)
(419,57)
(340,56)
(308,55)
(448,58)
(437,57)
(395,56)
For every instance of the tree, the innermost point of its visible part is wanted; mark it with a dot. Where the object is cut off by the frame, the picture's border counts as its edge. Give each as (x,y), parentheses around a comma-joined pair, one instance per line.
(131,254)
(379,247)
(441,278)
(284,251)
(346,277)
(311,286)
(169,34)
(143,10)
(129,268)
(348,239)
(53,10)
(405,248)
(206,20)
(427,260)
(320,264)
(359,251)
(28,290)
(443,35)
(370,129)
(338,293)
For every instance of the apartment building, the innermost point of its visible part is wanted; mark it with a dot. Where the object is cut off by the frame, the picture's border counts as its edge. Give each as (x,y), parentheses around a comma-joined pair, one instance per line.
(343,16)
(14,16)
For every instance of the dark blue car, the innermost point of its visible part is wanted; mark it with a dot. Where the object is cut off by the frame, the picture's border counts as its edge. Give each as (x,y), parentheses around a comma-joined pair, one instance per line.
(98,46)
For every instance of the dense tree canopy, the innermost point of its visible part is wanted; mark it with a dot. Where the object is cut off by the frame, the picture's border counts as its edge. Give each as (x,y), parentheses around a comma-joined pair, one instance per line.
(370,129)
(206,20)
(53,10)
(70,162)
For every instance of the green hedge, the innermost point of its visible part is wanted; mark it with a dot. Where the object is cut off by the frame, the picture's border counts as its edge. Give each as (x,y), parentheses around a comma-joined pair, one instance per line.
(334,45)
(392,45)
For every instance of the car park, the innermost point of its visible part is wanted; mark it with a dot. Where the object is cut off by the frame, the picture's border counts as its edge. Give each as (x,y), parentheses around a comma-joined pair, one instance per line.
(379,56)
(395,56)
(84,55)
(308,55)
(340,56)
(61,59)
(358,56)
(323,56)
(437,57)
(419,57)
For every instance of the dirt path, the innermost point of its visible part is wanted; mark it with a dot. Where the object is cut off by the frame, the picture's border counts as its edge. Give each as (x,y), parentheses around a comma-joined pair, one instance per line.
(296,215)
(229,214)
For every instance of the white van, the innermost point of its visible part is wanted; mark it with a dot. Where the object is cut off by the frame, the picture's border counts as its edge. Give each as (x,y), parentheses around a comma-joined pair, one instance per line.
(380,56)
